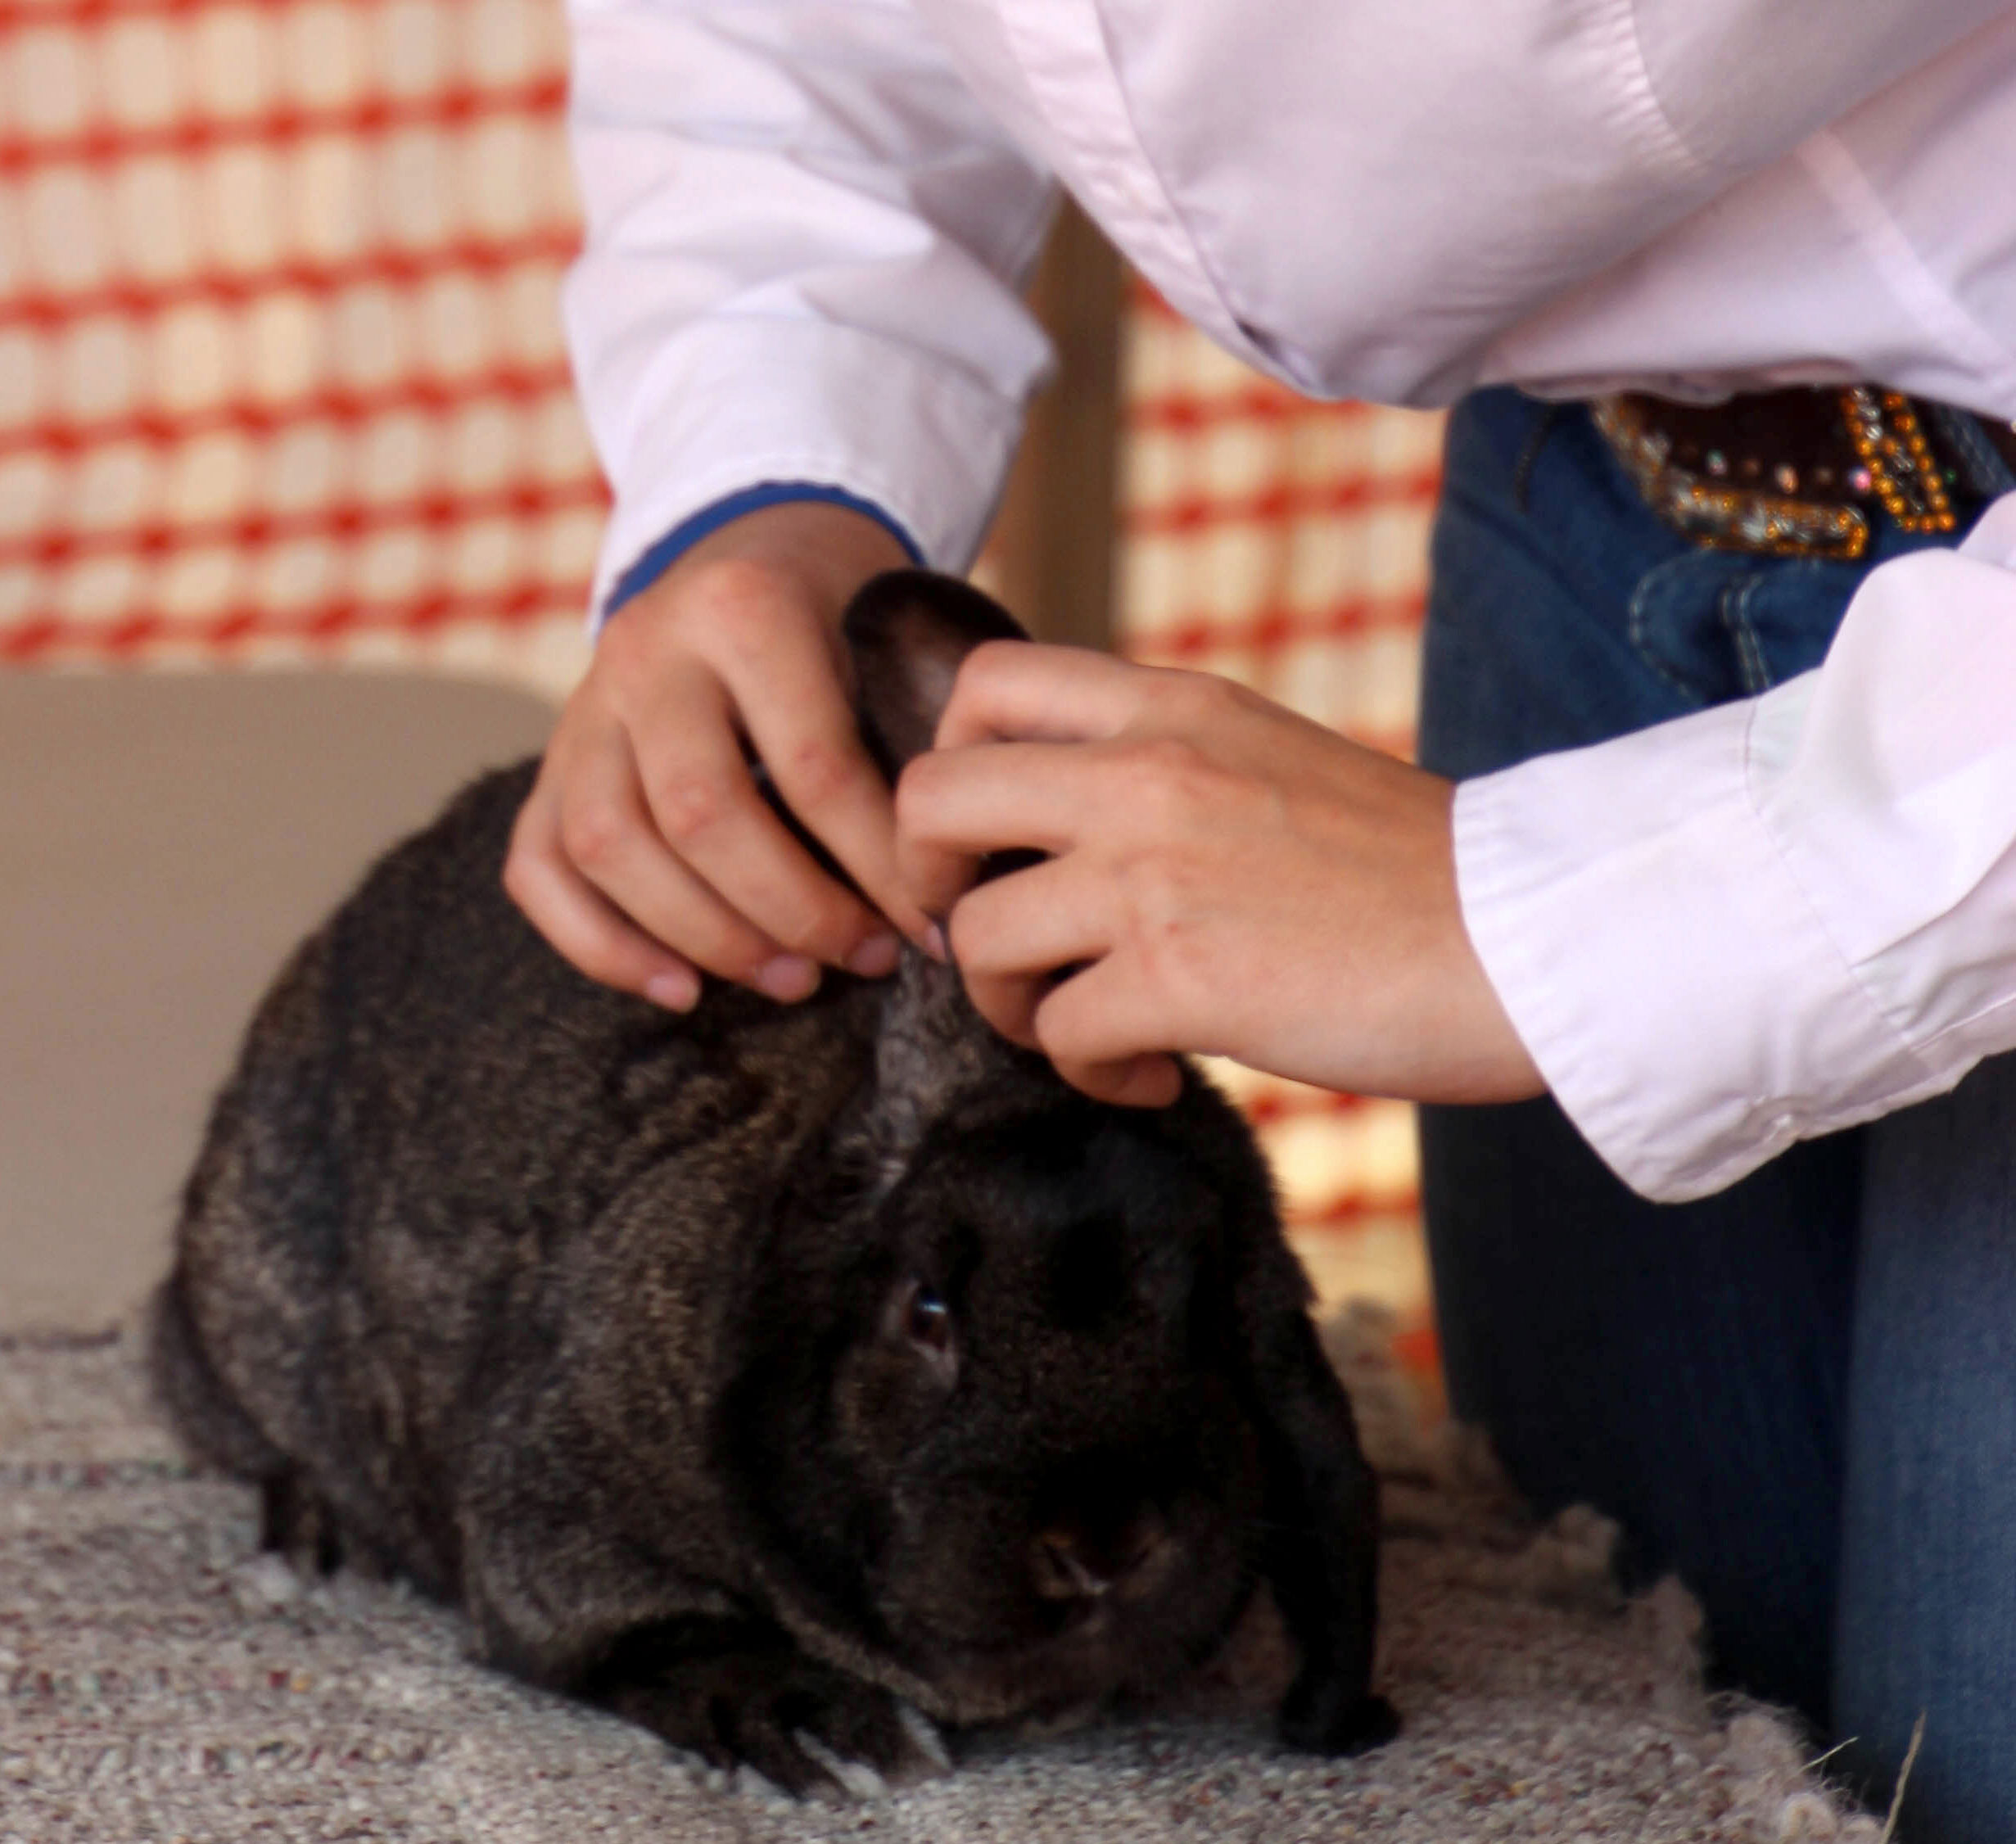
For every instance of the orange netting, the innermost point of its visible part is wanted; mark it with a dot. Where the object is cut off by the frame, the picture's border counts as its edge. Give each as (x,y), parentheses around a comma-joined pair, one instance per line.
(279,352)
(1284,544)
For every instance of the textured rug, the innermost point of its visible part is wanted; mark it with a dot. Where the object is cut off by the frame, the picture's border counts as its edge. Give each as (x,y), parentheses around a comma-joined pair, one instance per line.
(162,1680)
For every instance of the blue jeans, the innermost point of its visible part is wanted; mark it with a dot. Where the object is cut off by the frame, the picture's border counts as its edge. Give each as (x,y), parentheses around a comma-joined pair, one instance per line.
(1799,1395)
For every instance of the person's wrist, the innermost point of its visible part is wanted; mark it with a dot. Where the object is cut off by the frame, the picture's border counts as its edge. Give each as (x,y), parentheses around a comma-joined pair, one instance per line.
(808,549)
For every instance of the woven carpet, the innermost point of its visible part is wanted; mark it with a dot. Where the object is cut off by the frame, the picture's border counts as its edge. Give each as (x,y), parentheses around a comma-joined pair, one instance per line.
(164,1681)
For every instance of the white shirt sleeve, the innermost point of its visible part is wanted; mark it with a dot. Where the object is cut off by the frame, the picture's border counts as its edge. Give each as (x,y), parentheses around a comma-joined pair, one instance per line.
(1777,917)
(804,241)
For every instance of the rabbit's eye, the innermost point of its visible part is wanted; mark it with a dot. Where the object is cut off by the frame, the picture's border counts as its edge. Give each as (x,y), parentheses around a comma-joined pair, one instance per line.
(917,1318)
(928,1322)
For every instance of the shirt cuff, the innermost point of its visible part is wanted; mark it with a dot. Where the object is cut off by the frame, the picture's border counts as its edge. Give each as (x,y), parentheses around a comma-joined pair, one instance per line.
(722,406)
(661,556)
(1661,964)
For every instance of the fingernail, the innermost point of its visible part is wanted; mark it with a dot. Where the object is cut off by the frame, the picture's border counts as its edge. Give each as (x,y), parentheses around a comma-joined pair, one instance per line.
(789,977)
(677,989)
(935,944)
(876,956)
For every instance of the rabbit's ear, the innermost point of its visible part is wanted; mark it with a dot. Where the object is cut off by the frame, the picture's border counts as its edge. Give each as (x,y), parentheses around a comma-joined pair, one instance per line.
(908,631)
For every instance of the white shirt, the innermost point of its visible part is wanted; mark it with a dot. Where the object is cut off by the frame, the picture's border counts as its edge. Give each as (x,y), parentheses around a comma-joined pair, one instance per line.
(808,219)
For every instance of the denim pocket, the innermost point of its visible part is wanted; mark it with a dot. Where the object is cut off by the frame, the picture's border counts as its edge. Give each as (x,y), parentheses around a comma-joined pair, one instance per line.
(1720,625)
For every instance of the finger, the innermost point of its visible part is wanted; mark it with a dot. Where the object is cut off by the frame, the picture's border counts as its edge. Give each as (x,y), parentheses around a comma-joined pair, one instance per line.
(610,839)
(703,803)
(1012,689)
(1011,938)
(807,734)
(953,807)
(1138,1082)
(1008,1002)
(584,927)
(1107,1034)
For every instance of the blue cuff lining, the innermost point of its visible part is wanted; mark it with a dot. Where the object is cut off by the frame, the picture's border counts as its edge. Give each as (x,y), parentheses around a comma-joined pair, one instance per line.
(683,536)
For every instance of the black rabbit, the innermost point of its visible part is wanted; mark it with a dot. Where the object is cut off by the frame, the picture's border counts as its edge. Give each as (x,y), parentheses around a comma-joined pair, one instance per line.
(749,1371)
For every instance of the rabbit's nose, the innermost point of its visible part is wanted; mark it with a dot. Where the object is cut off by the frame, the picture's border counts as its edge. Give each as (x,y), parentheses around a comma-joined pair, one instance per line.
(1070,1561)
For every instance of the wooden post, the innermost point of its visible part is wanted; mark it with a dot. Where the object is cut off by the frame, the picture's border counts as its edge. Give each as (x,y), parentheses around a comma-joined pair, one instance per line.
(1052,546)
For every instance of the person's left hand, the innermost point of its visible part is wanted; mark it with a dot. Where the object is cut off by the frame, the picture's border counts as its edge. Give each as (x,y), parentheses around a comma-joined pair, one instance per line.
(1223,876)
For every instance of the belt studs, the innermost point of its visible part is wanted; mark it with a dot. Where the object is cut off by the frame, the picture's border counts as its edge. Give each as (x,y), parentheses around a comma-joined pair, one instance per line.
(1726,517)
(1896,460)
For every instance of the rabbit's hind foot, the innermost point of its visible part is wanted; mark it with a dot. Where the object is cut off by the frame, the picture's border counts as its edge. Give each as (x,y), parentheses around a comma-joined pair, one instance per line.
(297,1522)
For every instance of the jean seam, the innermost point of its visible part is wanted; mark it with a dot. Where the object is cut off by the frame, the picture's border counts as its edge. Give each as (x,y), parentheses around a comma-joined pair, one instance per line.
(1735,610)
(1637,625)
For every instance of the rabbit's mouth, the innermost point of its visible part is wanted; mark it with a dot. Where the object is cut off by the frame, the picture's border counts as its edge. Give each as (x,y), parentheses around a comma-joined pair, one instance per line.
(1022,1590)
(1078,1656)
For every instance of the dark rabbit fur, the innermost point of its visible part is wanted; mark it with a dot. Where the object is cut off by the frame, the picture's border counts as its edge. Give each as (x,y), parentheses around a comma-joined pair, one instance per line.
(749,1371)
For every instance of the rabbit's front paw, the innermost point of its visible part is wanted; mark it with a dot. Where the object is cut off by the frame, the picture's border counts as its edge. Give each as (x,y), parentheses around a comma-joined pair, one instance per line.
(735,1691)
(1325,1716)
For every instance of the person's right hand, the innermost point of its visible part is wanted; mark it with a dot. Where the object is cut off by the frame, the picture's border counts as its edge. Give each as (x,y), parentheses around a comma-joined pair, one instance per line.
(645,852)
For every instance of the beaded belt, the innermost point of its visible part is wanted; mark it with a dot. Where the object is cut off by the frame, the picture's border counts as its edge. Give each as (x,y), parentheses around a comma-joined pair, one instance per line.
(1801,473)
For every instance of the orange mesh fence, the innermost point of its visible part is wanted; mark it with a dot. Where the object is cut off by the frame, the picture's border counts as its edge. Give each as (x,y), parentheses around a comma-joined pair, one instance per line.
(280,360)
(1284,544)
(281,377)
